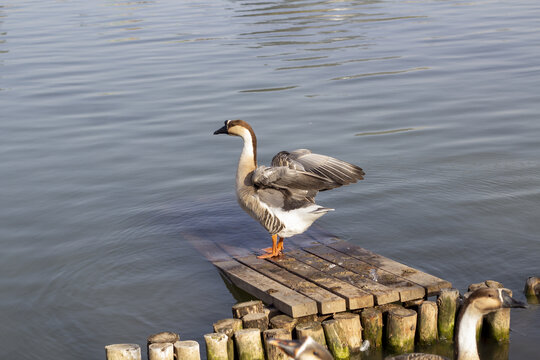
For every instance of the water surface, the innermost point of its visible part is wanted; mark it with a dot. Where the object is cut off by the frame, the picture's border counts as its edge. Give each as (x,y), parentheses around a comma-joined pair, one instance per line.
(109,168)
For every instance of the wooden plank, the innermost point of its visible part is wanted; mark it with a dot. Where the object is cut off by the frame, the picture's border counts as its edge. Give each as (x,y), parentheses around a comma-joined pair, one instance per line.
(207,248)
(269,291)
(381,293)
(432,283)
(327,302)
(355,297)
(407,290)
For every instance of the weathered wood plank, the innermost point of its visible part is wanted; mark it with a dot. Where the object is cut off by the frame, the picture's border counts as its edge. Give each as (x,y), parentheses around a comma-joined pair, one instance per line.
(407,290)
(432,283)
(382,294)
(355,297)
(269,291)
(327,302)
(207,248)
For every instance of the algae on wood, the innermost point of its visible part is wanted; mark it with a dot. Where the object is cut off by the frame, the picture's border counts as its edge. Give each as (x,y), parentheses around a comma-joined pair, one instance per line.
(249,344)
(427,323)
(447,303)
(372,322)
(216,346)
(336,340)
(400,330)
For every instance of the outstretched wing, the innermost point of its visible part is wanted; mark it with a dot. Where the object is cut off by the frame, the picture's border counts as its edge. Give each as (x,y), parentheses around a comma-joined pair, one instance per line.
(338,171)
(283,177)
(287,188)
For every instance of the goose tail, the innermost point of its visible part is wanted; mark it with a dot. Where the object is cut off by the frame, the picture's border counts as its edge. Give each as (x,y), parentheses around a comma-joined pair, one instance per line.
(321,210)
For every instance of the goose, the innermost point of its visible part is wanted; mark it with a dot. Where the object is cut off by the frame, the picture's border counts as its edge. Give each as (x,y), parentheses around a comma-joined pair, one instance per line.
(476,305)
(281,197)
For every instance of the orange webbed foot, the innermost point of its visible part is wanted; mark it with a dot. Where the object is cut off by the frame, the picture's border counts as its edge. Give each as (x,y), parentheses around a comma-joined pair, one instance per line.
(276,249)
(269,255)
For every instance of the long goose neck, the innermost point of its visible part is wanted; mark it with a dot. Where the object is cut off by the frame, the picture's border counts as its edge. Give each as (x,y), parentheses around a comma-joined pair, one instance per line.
(466,333)
(248,157)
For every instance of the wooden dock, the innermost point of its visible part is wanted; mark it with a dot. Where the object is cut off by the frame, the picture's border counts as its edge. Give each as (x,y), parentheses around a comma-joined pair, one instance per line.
(321,277)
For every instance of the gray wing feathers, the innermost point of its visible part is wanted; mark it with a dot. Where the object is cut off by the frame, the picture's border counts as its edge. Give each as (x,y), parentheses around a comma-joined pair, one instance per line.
(338,171)
(282,177)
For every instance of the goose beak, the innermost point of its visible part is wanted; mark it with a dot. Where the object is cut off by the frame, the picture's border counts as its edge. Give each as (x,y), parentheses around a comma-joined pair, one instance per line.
(222,130)
(510,302)
(290,347)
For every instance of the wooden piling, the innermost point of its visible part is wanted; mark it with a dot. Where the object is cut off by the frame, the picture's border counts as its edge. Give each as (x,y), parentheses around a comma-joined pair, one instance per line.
(216,346)
(161,351)
(532,290)
(310,318)
(476,286)
(249,344)
(400,330)
(228,327)
(372,322)
(497,325)
(494,284)
(123,352)
(336,340)
(187,350)
(274,352)
(163,337)
(427,322)
(313,329)
(351,328)
(283,322)
(447,303)
(247,307)
(271,311)
(255,321)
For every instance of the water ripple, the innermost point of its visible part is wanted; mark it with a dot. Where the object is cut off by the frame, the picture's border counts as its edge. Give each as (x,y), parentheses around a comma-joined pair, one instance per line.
(269,89)
(381,73)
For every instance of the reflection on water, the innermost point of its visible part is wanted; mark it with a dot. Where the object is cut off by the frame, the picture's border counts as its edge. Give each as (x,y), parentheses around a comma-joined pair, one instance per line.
(385,132)
(107,113)
(321,26)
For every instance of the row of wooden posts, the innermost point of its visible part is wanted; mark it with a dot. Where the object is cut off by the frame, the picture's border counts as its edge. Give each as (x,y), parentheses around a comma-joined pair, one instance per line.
(245,335)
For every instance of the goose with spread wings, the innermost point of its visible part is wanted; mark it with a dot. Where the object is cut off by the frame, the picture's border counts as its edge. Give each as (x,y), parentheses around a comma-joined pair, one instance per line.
(281,197)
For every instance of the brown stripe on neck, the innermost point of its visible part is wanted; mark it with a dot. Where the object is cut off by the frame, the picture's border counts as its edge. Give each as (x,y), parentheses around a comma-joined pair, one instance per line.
(245,125)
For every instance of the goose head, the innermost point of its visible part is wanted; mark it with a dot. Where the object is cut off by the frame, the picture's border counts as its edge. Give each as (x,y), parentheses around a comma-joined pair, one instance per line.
(477,304)
(248,158)
(487,300)
(236,128)
(308,349)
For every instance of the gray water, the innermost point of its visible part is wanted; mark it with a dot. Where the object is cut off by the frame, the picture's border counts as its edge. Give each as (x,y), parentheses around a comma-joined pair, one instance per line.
(109,168)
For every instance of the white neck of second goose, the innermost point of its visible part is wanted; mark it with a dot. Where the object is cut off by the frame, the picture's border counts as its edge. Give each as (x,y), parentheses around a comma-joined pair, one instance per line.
(248,157)
(466,337)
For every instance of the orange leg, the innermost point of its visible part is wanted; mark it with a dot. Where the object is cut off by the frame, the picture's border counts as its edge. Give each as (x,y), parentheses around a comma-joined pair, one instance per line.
(280,245)
(275,250)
